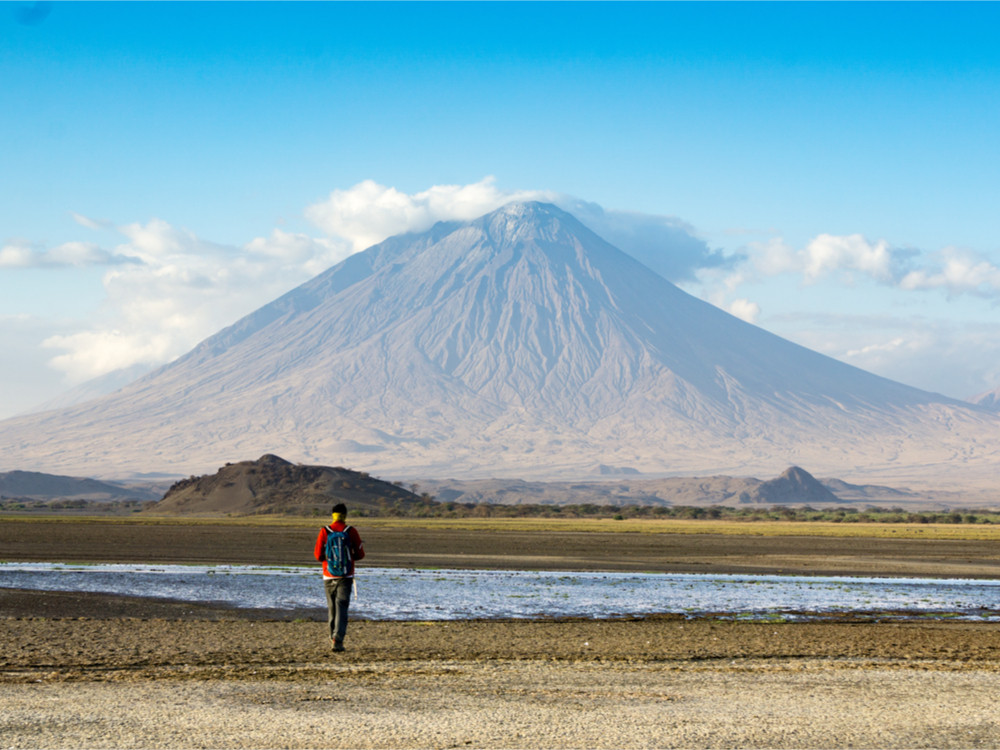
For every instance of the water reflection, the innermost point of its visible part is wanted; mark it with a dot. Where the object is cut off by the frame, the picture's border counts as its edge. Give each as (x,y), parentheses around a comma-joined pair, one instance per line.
(398,594)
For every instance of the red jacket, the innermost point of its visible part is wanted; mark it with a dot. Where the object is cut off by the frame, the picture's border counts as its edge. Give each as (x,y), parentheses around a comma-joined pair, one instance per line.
(357,546)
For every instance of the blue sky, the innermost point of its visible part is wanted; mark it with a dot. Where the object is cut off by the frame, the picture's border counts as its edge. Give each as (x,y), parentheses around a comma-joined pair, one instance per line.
(826,170)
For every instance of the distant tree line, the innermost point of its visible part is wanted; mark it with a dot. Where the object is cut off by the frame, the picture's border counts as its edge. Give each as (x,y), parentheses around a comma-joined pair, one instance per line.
(428,508)
(97,506)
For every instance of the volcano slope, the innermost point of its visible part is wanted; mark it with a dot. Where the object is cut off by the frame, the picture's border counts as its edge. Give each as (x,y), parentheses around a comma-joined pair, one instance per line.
(520,344)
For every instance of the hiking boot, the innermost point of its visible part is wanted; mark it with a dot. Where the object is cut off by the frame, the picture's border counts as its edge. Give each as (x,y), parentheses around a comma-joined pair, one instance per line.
(337,645)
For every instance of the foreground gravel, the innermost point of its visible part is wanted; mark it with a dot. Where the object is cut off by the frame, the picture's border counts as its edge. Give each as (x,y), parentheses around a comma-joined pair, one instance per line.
(80,670)
(169,675)
(439,704)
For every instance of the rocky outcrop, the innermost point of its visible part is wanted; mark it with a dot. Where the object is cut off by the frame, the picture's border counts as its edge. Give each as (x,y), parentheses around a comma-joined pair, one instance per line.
(795,486)
(273,485)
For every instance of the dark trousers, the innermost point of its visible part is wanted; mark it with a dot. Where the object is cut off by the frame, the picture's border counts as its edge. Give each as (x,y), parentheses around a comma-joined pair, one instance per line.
(338,599)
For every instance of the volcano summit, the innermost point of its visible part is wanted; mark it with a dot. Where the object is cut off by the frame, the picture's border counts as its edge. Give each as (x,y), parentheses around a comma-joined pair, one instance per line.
(518,344)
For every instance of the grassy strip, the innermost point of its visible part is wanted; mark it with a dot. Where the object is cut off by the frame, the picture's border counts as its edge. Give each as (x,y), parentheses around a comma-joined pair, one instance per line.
(953,531)
(296,522)
(682,526)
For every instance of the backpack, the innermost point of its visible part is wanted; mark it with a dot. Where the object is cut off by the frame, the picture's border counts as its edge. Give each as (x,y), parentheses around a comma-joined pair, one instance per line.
(338,552)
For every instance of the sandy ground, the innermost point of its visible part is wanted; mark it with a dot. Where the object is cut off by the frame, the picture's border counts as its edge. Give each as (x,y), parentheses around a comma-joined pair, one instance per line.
(105,671)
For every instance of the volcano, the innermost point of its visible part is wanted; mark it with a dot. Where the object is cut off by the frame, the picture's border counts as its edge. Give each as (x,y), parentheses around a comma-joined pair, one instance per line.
(518,344)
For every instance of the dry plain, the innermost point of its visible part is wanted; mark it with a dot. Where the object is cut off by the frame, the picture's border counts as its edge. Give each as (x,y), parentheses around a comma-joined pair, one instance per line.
(102,671)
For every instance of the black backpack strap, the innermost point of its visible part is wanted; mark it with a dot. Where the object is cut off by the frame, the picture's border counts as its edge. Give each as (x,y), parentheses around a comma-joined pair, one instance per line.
(350,542)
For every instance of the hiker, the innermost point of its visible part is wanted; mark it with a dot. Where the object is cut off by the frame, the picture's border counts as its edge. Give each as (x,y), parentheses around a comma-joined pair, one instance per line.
(338,546)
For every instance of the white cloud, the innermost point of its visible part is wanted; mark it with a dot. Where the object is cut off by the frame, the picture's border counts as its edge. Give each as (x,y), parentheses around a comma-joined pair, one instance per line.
(86,221)
(774,257)
(919,351)
(879,348)
(177,290)
(666,244)
(952,270)
(828,253)
(956,358)
(314,254)
(88,354)
(157,239)
(81,254)
(26,380)
(744,309)
(18,255)
(843,260)
(824,256)
(368,213)
(956,272)
(69,254)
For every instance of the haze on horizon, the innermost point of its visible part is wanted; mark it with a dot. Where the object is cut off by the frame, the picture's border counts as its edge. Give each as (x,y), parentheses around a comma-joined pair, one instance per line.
(825,171)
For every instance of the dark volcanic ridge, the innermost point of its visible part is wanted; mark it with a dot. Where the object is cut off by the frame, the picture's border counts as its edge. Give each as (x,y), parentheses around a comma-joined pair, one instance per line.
(272,485)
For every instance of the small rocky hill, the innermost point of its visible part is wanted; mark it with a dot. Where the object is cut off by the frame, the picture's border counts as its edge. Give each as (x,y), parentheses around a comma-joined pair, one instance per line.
(794,486)
(273,485)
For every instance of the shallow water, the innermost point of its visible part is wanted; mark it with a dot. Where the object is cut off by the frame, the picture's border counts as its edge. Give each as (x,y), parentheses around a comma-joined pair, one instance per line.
(399,594)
